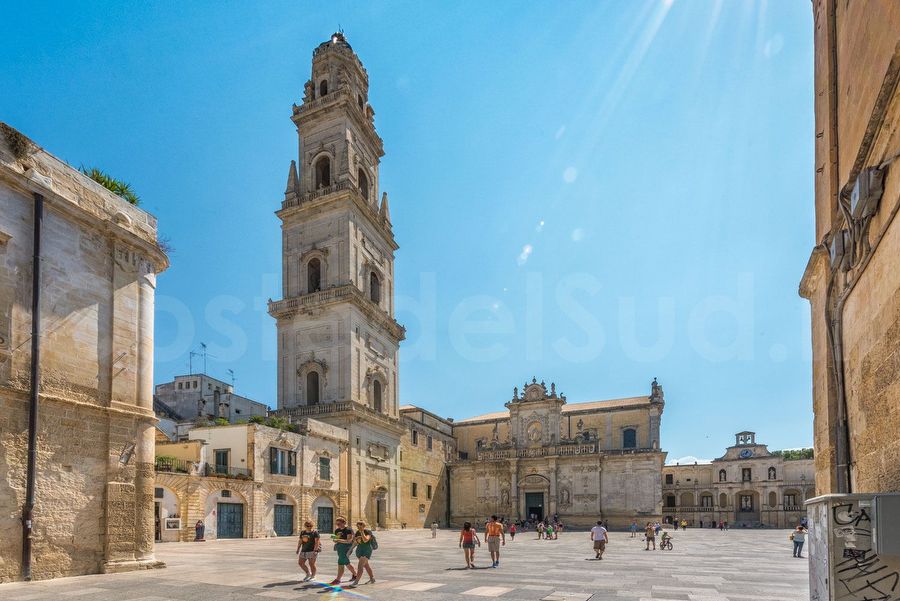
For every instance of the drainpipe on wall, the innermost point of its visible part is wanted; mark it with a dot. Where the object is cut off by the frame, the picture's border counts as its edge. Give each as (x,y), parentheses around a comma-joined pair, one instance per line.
(28,508)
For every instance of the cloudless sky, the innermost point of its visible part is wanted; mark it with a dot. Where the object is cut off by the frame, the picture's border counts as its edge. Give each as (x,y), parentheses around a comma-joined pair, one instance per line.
(590,193)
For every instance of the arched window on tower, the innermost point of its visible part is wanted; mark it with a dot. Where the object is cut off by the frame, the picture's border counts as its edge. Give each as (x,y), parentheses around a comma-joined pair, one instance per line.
(313,275)
(723,476)
(629,438)
(323,173)
(312,388)
(376,396)
(361,102)
(363,184)
(323,88)
(374,288)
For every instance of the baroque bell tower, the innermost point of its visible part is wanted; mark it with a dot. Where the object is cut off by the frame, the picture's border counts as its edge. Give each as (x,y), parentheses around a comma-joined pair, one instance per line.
(337,337)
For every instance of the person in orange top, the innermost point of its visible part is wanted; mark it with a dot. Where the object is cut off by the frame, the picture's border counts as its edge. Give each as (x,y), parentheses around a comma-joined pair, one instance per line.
(493,533)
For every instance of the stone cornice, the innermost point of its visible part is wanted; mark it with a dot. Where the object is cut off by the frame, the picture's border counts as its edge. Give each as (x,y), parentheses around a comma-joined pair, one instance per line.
(114,408)
(342,102)
(341,192)
(289,307)
(84,201)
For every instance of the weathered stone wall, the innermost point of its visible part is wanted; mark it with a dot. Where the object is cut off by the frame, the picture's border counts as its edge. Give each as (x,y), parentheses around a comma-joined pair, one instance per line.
(857,119)
(426,468)
(95,427)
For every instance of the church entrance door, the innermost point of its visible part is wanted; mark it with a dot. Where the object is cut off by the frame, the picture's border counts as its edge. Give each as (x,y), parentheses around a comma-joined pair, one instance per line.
(379,512)
(534,505)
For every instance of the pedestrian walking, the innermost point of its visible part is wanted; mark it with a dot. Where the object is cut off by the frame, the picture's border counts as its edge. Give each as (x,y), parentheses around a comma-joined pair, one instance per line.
(308,547)
(684,524)
(540,530)
(343,543)
(599,537)
(512,532)
(549,532)
(650,536)
(495,537)
(468,538)
(365,543)
(634,528)
(799,537)
(199,529)
(675,523)
(434,529)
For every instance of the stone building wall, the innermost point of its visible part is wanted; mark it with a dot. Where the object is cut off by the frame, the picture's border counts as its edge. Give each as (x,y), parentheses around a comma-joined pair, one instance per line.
(425,467)
(96,430)
(196,494)
(857,110)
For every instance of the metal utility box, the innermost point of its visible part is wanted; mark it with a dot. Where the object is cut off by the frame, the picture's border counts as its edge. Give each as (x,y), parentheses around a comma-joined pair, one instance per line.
(844,562)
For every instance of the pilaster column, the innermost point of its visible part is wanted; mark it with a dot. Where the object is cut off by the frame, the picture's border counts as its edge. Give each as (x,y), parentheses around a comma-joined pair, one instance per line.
(145,446)
(514,488)
(553,489)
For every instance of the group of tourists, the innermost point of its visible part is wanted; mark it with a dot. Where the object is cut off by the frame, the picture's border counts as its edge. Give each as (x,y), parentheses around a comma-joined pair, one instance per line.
(309,545)
(363,541)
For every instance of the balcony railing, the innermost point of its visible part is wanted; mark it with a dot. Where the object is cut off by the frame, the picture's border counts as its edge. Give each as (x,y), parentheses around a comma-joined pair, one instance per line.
(222,471)
(173,466)
(336,408)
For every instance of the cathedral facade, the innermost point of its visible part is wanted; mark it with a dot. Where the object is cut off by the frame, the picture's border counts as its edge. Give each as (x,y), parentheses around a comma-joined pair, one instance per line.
(545,458)
(338,357)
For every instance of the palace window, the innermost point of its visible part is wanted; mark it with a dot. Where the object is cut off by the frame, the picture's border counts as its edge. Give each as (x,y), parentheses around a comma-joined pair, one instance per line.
(790,500)
(428,491)
(324,468)
(179,386)
(323,88)
(313,275)
(323,173)
(376,395)
(374,288)
(746,474)
(415,437)
(429,443)
(282,462)
(158,493)
(706,501)
(363,184)
(773,499)
(415,489)
(723,500)
(670,500)
(361,102)
(312,388)
(629,438)
(746,502)
(669,479)
(771,473)
(723,475)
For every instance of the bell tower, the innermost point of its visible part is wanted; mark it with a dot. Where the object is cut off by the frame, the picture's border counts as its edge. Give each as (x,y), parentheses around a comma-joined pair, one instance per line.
(337,337)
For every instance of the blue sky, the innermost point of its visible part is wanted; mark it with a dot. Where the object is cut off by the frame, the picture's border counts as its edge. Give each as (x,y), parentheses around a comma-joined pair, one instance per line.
(592,193)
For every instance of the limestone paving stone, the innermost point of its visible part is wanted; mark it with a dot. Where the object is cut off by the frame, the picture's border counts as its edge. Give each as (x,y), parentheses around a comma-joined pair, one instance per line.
(410,566)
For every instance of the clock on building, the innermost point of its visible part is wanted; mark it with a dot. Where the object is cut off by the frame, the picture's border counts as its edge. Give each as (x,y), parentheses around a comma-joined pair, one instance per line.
(746,454)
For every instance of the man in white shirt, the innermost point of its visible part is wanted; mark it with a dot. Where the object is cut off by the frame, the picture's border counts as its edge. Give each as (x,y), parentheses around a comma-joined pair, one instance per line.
(599,537)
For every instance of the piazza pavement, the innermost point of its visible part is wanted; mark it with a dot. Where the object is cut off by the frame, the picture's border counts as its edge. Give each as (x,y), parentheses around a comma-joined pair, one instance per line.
(706,565)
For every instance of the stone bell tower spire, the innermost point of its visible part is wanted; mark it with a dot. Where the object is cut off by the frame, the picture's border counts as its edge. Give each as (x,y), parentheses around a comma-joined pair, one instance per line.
(338,340)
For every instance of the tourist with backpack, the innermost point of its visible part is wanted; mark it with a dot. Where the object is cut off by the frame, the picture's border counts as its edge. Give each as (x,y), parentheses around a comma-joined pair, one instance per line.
(365,543)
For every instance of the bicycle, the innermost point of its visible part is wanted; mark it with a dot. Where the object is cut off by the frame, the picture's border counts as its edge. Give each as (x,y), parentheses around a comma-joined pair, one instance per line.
(666,545)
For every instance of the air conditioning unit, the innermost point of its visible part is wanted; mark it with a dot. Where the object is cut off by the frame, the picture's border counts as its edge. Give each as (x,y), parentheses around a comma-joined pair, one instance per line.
(867,192)
(840,247)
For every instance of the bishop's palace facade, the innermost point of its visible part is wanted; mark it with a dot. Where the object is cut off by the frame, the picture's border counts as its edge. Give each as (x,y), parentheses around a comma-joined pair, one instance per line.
(338,345)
